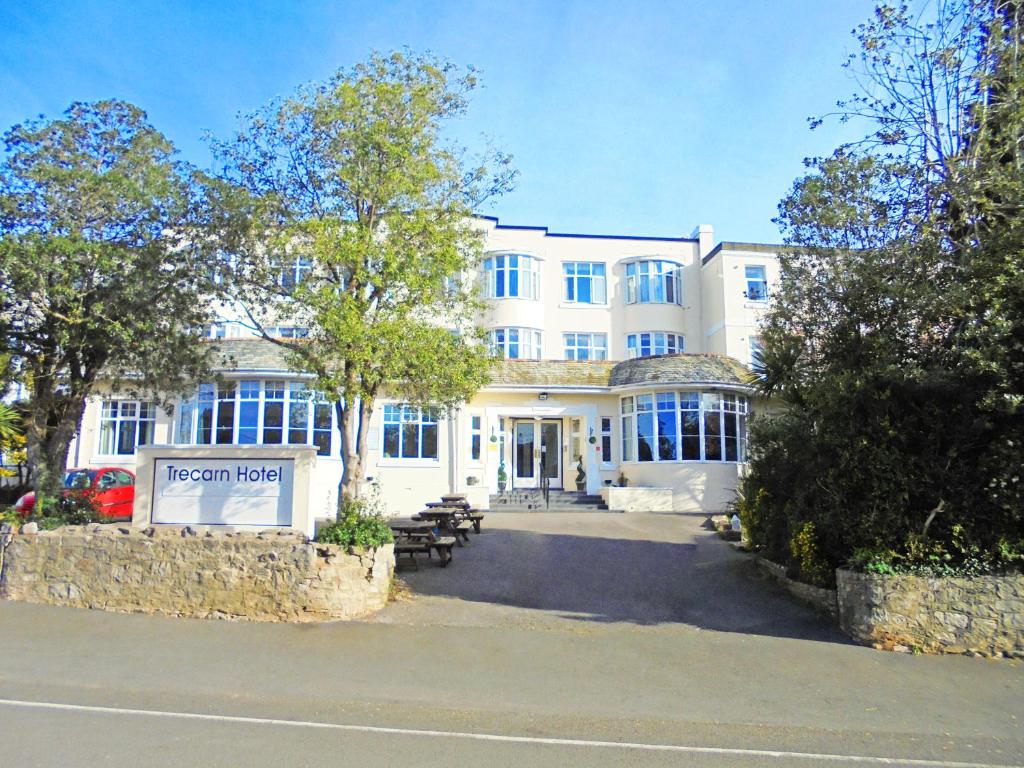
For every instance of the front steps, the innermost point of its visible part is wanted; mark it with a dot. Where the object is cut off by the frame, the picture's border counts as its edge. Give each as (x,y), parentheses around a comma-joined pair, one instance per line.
(532,500)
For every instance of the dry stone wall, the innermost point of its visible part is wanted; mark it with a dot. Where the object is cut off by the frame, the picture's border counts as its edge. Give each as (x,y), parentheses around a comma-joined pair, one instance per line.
(268,576)
(983,615)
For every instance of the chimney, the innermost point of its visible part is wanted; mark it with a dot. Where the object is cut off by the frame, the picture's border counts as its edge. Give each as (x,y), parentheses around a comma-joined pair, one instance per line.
(705,235)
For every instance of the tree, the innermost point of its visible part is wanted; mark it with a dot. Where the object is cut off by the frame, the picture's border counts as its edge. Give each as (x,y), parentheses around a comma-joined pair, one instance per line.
(360,228)
(896,339)
(103,268)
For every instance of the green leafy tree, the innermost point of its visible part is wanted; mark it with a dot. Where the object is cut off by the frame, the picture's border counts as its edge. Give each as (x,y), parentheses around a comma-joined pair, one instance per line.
(895,340)
(103,268)
(354,176)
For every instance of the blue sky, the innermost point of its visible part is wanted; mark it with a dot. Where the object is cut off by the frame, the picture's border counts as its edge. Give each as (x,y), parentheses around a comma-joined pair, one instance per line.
(623,117)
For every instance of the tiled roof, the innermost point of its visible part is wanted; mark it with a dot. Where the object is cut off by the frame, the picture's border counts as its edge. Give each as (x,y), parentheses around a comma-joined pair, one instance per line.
(262,355)
(551,373)
(679,369)
(249,355)
(662,369)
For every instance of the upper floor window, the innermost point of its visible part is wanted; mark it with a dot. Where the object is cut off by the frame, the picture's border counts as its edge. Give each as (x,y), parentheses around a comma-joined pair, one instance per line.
(124,425)
(511,276)
(288,331)
(409,432)
(654,282)
(584,282)
(294,269)
(654,343)
(254,412)
(757,282)
(221,330)
(756,349)
(684,426)
(586,346)
(517,343)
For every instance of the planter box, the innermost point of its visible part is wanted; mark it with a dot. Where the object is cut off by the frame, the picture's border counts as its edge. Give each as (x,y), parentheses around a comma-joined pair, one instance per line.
(637,499)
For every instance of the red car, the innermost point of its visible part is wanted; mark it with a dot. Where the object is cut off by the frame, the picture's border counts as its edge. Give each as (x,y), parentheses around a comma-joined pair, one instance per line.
(112,490)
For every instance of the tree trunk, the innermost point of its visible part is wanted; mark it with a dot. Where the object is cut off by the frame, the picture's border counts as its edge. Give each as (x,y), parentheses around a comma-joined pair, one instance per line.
(51,427)
(354,425)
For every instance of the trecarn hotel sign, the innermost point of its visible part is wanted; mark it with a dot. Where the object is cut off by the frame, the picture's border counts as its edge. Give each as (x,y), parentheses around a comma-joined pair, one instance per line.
(215,491)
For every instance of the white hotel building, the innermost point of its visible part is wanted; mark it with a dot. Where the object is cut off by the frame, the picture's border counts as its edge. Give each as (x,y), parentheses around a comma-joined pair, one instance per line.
(628,354)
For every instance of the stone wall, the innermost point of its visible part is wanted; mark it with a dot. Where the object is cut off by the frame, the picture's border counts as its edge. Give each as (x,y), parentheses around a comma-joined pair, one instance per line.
(819,597)
(983,615)
(269,576)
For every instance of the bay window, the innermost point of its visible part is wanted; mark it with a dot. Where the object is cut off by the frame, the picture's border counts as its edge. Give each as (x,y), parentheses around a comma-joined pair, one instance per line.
(653,343)
(586,346)
(125,425)
(517,343)
(256,412)
(511,276)
(654,282)
(684,426)
(584,282)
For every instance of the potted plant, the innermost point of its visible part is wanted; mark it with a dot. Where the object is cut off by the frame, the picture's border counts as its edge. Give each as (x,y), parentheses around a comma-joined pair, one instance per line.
(502,478)
(581,476)
(471,480)
(623,482)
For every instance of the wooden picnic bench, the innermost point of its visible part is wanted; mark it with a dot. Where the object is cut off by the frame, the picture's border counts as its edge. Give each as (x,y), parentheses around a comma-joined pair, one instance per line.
(462,509)
(416,536)
(448,520)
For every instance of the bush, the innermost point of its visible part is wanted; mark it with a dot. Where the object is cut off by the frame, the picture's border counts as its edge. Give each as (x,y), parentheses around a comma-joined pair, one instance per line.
(807,563)
(359,524)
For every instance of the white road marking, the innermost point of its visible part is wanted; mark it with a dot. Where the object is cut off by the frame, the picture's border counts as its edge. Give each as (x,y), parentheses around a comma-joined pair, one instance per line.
(627,745)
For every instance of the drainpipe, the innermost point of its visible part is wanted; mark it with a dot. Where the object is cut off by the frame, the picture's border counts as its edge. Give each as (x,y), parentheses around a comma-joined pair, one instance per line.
(453,470)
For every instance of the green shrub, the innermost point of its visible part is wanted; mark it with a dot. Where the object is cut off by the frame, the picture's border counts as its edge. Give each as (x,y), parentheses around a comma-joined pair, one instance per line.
(807,563)
(365,531)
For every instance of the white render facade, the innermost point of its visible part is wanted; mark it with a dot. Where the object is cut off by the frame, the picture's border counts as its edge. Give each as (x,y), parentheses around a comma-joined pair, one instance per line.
(626,355)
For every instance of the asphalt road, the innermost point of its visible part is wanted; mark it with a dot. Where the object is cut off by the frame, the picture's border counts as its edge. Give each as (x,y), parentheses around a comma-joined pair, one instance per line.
(571,640)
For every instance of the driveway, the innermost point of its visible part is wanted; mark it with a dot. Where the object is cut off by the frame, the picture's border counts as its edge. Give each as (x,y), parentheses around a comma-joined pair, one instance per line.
(551,640)
(562,569)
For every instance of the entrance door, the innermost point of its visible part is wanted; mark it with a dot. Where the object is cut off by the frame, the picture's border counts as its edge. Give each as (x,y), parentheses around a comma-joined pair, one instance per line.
(537,454)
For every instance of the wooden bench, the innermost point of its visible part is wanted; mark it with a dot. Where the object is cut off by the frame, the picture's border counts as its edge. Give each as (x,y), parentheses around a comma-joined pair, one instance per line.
(412,543)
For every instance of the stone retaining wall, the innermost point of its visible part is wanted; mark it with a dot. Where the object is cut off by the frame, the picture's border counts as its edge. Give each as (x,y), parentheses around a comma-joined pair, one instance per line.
(983,615)
(819,597)
(268,576)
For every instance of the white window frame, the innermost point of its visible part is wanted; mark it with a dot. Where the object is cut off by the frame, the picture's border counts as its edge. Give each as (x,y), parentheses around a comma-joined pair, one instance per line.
(112,412)
(671,343)
(476,430)
(607,438)
(595,345)
(294,270)
(530,340)
(654,278)
(574,272)
(497,268)
(756,287)
(293,392)
(727,403)
(408,414)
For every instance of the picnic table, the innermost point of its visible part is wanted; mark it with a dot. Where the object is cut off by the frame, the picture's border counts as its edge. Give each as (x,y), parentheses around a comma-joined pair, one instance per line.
(413,536)
(448,504)
(449,520)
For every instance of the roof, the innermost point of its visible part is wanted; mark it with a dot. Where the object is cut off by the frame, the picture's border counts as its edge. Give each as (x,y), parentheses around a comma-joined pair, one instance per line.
(265,356)
(755,247)
(249,355)
(548,233)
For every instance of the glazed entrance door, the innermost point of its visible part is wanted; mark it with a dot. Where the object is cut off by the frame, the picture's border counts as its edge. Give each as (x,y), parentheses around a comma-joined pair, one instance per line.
(537,453)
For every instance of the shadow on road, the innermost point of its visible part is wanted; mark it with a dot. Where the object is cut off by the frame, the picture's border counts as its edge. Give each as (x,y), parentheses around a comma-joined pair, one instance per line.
(601,579)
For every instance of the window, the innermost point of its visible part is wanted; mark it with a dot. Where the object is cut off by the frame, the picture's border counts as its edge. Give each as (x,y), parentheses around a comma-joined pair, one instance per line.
(254,412)
(294,269)
(606,440)
(511,276)
(409,433)
(124,425)
(653,343)
(654,282)
(288,331)
(757,282)
(221,331)
(586,346)
(755,350)
(703,426)
(475,426)
(517,343)
(584,283)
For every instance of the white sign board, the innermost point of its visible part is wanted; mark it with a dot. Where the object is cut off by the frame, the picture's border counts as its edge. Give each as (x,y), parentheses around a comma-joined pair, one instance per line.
(213,491)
